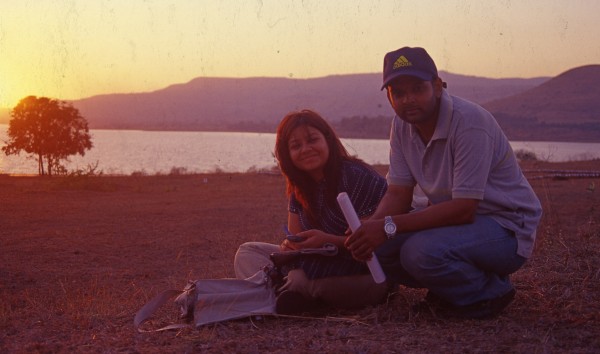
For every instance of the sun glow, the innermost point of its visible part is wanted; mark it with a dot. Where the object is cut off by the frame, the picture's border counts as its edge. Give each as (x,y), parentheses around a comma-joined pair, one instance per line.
(14,86)
(71,49)
(7,101)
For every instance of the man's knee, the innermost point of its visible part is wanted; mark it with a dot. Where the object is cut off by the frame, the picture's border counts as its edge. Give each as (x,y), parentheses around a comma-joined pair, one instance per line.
(419,257)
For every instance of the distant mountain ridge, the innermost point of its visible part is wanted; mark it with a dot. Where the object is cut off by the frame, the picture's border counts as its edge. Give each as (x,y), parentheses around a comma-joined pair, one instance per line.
(566,107)
(209,103)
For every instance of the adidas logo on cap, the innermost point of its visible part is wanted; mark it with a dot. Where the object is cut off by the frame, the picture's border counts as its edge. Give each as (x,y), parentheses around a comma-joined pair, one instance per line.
(401,62)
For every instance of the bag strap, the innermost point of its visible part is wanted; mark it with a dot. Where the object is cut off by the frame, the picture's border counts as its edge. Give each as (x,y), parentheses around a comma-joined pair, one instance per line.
(150,308)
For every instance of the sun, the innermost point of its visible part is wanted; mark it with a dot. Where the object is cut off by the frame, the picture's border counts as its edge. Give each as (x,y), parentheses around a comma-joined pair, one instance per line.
(8,99)
(14,86)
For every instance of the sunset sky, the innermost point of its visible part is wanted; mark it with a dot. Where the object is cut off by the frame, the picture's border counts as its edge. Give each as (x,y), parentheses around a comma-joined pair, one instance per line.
(71,49)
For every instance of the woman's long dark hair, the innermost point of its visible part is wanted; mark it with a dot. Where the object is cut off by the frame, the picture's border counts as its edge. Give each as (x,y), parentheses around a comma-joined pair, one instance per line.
(299,182)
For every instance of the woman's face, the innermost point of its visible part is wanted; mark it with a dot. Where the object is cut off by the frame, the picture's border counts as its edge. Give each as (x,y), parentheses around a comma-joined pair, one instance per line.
(309,151)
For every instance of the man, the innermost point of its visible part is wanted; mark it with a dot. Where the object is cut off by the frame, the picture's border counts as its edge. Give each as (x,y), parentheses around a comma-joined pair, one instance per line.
(481,222)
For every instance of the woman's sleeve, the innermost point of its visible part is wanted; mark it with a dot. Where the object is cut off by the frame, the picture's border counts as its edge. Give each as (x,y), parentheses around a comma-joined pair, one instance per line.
(365,188)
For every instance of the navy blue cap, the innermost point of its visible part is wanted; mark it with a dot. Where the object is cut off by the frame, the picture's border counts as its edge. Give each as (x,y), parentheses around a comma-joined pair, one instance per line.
(408,61)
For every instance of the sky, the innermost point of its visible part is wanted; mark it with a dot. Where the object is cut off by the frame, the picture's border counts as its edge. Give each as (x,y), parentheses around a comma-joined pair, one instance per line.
(71,49)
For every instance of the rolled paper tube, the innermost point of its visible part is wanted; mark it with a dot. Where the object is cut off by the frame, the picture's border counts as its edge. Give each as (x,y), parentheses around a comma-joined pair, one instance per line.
(354,223)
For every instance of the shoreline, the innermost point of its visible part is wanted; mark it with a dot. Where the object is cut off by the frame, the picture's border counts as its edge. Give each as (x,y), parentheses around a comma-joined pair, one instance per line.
(591,167)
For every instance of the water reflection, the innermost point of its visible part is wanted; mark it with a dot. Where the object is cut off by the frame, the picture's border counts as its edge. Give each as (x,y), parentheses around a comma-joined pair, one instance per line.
(151,152)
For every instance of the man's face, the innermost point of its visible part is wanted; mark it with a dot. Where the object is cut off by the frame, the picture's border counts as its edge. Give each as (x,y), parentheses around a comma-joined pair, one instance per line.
(413,99)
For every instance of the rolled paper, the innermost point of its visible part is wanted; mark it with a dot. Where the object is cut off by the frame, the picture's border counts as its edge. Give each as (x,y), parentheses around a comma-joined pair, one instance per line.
(354,223)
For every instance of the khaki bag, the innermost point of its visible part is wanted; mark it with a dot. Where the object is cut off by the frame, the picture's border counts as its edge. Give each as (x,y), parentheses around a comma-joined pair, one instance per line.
(208,301)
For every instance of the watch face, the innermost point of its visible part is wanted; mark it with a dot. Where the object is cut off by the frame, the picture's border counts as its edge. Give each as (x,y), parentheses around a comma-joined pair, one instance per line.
(390,228)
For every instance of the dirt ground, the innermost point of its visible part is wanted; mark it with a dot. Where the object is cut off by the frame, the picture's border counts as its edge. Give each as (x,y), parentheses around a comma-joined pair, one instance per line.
(79,256)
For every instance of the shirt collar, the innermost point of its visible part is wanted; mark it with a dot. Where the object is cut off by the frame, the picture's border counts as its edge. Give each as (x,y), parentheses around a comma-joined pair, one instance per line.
(442,128)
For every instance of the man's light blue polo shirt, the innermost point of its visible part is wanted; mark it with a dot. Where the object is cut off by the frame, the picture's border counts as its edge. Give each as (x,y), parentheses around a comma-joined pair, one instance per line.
(468,157)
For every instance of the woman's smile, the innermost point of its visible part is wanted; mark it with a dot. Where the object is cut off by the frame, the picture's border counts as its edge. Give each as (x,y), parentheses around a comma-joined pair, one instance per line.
(309,151)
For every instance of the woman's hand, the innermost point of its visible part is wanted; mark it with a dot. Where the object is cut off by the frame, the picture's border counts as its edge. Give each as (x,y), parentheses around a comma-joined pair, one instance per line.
(312,239)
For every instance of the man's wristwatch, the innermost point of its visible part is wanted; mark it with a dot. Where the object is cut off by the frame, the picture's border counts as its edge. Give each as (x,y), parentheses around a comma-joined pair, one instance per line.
(389,227)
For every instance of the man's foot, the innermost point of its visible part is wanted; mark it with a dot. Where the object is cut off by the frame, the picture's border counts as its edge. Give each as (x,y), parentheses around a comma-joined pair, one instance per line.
(480,310)
(486,308)
(293,303)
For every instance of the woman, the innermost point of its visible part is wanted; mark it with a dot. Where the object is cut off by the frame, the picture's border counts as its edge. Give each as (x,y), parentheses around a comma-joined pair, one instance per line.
(317,168)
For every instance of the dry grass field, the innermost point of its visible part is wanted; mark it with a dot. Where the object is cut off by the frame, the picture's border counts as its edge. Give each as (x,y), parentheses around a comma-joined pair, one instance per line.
(80,255)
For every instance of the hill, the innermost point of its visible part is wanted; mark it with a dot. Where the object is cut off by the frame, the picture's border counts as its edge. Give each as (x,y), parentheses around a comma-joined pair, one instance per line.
(566,107)
(563,108)
(257,104)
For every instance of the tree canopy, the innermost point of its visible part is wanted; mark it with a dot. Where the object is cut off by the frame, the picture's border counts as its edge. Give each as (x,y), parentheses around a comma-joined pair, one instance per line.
(49,129)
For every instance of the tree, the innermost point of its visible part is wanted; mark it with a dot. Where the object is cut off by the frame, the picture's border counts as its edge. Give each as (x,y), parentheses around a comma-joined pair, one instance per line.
(50,129)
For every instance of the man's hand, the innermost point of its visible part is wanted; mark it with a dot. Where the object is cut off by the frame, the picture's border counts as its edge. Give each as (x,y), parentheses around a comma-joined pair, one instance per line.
(366,239)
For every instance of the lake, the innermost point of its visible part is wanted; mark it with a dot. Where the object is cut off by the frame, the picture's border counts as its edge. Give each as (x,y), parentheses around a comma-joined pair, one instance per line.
(124,152)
